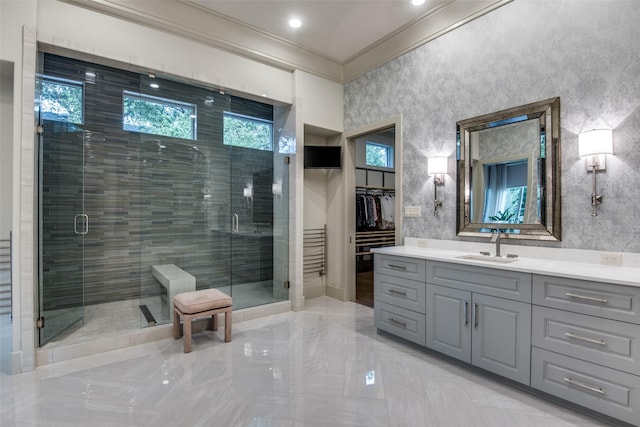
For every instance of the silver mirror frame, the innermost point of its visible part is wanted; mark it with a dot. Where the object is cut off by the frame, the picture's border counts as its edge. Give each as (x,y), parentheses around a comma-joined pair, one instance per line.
(548,114)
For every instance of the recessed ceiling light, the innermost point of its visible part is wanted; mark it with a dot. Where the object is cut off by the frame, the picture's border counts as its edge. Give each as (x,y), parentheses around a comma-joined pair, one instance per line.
(417,2)
(154,85)
(295,23)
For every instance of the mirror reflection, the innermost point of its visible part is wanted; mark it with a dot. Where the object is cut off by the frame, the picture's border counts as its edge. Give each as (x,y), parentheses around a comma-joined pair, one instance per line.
(508,178)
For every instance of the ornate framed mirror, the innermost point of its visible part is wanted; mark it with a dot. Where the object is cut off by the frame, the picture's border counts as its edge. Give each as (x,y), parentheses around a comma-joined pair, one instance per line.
(509,173)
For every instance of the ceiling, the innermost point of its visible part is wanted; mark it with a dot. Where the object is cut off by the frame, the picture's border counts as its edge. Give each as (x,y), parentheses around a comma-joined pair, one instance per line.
(336,29)
(339,39)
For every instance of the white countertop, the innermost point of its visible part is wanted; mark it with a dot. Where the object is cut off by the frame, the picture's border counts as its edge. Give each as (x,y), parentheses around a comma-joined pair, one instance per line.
(622,275)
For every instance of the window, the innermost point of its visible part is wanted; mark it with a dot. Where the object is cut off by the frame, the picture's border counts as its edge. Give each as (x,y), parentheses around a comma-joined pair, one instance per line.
(379,155)
(506,191)
(158,116)
(61,100)
(248,132)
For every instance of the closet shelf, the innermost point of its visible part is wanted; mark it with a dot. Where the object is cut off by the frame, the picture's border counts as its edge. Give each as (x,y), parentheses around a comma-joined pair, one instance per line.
(373,187)
(375,238)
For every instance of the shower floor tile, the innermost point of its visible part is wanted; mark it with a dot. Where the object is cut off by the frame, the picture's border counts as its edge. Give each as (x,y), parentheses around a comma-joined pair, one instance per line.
(115,318)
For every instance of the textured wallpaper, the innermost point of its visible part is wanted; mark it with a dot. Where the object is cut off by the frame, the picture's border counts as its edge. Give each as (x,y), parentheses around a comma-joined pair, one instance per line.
(587,52)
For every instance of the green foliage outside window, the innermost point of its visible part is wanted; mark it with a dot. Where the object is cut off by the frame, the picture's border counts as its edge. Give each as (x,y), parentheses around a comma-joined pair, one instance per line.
(378,155)
(158,116)
(60,100)
(246,132)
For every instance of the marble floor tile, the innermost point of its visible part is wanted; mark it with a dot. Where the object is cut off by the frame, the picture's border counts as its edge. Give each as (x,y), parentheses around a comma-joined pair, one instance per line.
(324,366)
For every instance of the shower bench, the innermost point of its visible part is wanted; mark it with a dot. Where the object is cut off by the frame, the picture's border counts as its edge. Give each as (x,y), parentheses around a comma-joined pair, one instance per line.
(175,280)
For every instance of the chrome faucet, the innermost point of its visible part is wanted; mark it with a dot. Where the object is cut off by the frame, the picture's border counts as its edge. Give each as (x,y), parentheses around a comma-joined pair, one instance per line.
(496,238)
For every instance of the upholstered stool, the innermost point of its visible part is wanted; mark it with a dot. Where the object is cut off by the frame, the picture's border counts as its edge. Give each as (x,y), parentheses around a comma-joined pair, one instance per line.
(192,305)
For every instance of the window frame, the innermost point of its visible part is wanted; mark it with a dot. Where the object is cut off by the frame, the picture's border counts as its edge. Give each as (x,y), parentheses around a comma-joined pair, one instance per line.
(237,116)
(166,102)
(46,79)
(389,154)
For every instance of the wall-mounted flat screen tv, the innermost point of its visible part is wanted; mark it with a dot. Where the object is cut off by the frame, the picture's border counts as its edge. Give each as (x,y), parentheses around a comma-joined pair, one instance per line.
(322,156)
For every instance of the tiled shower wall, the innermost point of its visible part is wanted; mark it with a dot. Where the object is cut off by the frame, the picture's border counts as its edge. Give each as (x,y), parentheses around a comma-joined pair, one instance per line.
(150,199)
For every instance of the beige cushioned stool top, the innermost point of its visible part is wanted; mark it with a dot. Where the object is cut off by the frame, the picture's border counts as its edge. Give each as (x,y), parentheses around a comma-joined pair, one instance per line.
(197,301)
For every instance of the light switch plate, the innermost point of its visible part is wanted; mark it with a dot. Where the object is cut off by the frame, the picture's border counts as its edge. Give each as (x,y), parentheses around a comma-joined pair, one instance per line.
(611,259)
(413,211)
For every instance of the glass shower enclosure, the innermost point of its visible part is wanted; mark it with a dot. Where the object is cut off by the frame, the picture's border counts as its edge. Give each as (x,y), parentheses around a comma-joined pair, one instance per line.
(119,195)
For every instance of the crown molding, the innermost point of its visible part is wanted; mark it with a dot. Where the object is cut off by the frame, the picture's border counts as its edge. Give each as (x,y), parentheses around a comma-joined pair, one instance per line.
(193,22)
(189,20)
(429,27)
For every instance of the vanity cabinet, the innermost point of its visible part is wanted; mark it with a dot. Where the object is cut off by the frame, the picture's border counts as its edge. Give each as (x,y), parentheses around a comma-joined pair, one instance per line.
(399,296)
(578,340)
(586,344)
(467,321)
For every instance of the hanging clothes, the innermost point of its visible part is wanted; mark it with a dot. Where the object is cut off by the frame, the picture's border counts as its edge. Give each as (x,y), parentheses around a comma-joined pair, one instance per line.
(375,211)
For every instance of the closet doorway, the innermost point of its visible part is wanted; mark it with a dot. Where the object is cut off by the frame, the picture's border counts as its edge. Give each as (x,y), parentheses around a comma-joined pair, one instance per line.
(375,204)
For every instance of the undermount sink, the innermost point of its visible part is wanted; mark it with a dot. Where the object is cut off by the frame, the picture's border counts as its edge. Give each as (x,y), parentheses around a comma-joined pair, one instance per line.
(488,258)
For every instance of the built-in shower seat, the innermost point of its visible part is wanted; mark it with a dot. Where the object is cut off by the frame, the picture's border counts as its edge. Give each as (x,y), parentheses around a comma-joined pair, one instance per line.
(175,280)
(197,304)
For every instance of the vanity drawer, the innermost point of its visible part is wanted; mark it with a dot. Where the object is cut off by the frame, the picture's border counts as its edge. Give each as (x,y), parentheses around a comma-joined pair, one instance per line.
(596,298)
(403,293)
(489,281)
(403,323)
(601,389)
(399,266)
(605,342)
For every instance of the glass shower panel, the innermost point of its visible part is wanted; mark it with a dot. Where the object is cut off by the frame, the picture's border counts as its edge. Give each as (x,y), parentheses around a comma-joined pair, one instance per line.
(186,211)
(63,227)
(256,193)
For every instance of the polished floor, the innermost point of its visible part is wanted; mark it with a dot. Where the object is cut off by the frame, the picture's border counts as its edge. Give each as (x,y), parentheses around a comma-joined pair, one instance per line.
(324,366)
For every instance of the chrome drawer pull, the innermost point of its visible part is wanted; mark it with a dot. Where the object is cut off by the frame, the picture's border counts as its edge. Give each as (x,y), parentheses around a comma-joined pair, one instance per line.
(586,339)
(397,267)
(475,314)
(393,291)
(596,299)
(399,322)
(586,386)
(466,309)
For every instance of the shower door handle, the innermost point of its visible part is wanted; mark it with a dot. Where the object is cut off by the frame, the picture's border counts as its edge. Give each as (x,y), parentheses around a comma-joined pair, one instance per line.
(84,222)
(235,223)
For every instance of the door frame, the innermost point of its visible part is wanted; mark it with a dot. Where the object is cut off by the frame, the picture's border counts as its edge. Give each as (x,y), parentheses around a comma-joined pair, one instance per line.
(349,191)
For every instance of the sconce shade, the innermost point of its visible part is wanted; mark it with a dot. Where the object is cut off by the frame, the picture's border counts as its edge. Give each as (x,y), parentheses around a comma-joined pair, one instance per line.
(276,188)
(437,165)
(594,142)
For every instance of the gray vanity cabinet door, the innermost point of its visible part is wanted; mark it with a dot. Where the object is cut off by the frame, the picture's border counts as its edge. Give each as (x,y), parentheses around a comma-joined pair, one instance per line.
(449,322)
(501,337)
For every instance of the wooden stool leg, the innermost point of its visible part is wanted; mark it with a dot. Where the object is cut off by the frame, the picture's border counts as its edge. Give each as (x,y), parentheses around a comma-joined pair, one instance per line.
(227,325)
(187,333)
(176,325)
(214,322)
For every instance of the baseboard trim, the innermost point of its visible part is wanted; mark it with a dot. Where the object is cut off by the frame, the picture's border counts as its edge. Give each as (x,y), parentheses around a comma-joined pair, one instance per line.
(341,294)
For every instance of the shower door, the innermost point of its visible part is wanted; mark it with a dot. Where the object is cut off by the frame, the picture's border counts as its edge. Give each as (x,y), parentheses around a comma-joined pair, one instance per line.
(259,225)
(63,227)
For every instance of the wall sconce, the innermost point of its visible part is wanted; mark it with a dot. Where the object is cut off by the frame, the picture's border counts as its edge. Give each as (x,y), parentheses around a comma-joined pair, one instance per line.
(247,192)
(437,166)
(276,189)
(593,145)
